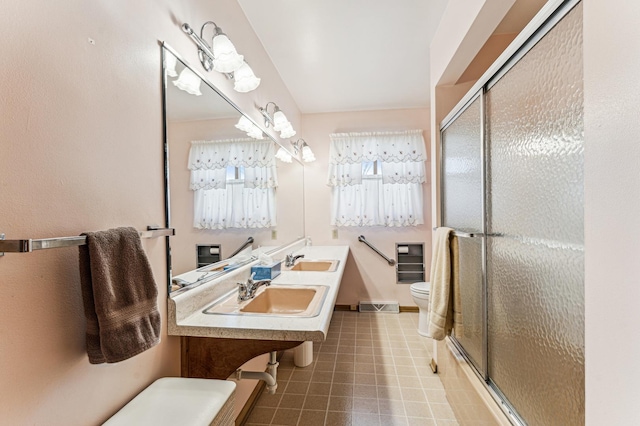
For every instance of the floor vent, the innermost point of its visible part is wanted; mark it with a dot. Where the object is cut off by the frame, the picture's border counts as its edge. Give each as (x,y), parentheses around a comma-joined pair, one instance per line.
(393,307)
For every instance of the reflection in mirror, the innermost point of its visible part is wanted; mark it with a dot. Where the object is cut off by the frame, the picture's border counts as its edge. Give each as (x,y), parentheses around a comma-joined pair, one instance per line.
(230,184)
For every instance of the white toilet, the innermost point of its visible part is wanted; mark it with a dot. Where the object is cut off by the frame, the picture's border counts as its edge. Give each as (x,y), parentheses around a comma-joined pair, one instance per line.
(420,293)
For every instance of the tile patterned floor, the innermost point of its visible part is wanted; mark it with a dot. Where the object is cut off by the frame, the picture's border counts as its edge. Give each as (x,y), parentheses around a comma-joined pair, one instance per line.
(373,369)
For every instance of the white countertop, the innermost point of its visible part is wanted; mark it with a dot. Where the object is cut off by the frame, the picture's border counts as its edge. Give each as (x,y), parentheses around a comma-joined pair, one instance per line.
(187,319)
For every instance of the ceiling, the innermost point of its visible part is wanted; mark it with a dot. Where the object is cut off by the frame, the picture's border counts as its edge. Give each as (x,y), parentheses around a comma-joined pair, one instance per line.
(349,55)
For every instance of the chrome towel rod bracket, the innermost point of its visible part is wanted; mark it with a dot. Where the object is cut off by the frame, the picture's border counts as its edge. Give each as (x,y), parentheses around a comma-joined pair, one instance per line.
(29,245)
(461,234)
(362,239)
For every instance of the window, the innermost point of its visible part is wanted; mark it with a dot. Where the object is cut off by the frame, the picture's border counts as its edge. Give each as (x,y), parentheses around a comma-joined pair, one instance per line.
(235,173)
(371,168)
(377,178)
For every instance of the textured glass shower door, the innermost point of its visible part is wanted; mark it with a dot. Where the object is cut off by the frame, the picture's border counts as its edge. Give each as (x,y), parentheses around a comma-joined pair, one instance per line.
(462,209)
(535,218)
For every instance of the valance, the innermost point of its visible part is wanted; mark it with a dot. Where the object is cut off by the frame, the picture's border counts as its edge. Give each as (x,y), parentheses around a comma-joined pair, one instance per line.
(231,152)
(254,177)
(392,147)
(401,156)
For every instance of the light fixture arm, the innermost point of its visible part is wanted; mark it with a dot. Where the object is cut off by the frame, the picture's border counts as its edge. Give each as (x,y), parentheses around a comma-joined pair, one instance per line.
(204,50)
(298,145)
(302,146)
(216,30)
(268,119)
(227,61)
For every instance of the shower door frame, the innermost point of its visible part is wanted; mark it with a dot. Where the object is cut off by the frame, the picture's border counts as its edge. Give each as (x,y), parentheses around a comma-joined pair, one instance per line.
(539,26)
(459,110)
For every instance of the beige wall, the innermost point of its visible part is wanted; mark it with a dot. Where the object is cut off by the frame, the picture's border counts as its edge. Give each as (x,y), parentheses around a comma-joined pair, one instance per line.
(81,150)
(612,211)
(367,276)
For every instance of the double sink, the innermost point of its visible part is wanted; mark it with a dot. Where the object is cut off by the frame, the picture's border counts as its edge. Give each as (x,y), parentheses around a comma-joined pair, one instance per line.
(282,300)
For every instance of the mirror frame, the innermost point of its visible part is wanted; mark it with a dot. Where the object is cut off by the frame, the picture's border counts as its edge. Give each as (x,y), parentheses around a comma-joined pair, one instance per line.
(167,195)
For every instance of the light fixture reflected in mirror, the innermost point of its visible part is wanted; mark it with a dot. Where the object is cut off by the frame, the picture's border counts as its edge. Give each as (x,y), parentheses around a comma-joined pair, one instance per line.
(189,82)
(244,124)
(249,128)
(278,120)
(255,133)
(170,63)
(283,155)
(221,56)
(307,154)
(287,132)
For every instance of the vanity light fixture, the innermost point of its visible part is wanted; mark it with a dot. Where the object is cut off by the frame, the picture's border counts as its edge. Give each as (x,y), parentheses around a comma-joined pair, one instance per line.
(221,56)
(244,79)
(244,124)
(307,154)
(249,128)
(255,133)
(287,132)
(278,120)
(189,82)
(283,155)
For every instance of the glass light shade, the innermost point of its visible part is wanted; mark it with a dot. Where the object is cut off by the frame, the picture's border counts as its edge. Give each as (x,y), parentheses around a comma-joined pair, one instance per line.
(170,65)
(226,58)
(280,121)
(287,132)
(189,82)
(244,124)
(307,154)
(245,79)
(283,156)
(255,133)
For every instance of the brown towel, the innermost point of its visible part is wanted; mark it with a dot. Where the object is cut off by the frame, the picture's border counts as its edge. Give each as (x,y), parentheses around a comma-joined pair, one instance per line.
(119,296)
(445,305)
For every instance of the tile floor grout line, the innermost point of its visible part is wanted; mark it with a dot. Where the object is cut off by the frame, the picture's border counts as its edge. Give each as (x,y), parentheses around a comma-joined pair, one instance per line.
(368,335)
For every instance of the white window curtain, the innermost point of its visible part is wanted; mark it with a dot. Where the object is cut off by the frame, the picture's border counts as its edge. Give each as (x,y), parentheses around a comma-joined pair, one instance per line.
(393,197)
(240,203)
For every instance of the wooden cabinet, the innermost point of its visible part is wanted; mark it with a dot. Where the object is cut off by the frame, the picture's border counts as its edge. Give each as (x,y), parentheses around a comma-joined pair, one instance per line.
(217,358)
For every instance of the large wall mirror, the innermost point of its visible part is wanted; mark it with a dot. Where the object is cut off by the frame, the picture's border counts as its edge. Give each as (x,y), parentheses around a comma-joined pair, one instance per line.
(225,185)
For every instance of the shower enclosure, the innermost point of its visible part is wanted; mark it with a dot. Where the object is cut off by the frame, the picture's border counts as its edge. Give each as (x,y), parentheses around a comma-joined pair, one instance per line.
(512,179)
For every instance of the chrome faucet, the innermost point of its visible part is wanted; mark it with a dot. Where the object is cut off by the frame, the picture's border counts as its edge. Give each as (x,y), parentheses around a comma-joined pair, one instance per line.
(247,290)
(290,259)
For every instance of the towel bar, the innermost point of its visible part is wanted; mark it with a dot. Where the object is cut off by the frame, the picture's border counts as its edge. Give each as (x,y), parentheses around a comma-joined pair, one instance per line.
(461,234)
(27,246)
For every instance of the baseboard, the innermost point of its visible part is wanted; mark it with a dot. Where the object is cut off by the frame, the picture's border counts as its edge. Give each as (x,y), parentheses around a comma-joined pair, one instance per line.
(354,308)
(344,308)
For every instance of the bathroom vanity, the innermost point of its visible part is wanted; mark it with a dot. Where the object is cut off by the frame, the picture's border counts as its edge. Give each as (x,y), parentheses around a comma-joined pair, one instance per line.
(232,335)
